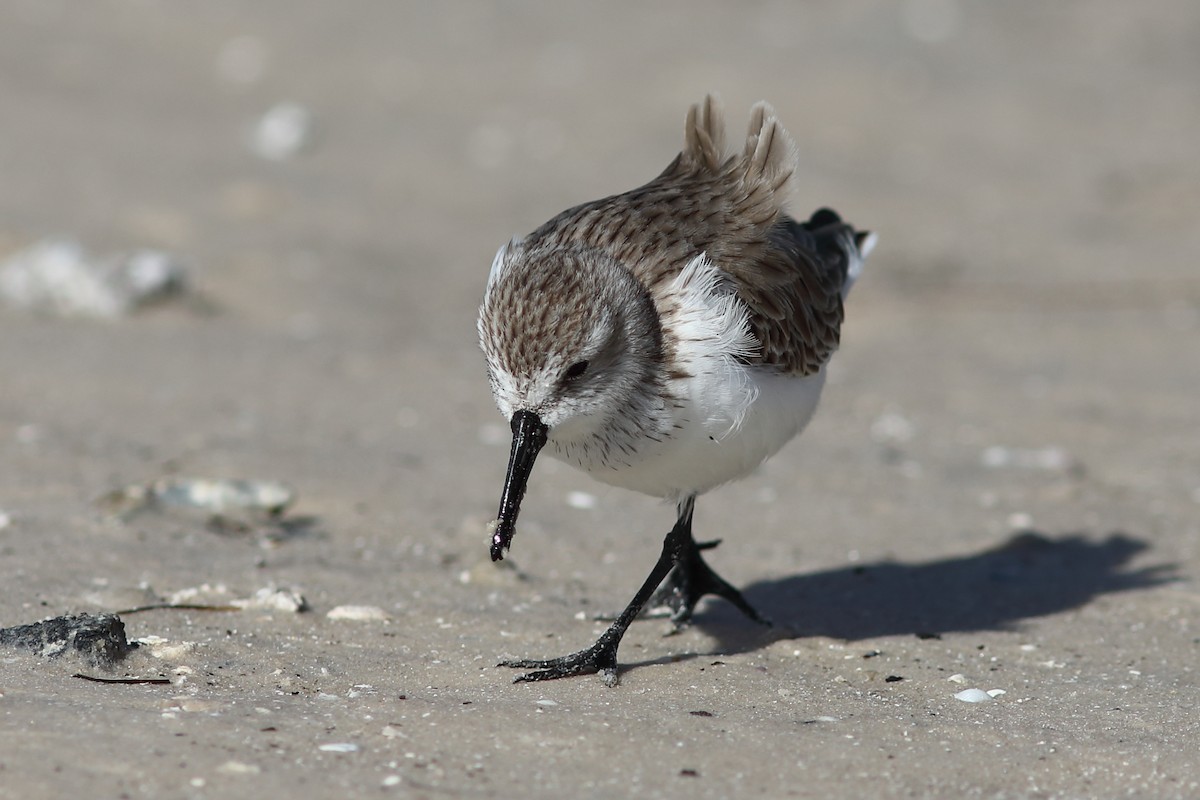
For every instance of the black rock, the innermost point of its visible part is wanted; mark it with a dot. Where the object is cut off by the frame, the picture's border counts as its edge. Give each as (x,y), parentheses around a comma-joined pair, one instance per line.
(99,639)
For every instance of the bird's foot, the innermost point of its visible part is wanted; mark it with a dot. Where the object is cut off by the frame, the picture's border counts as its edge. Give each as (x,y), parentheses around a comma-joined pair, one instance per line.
(600,657)
(689,580)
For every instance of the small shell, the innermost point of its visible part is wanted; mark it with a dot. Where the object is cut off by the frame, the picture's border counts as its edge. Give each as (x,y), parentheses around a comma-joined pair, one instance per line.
(973,696)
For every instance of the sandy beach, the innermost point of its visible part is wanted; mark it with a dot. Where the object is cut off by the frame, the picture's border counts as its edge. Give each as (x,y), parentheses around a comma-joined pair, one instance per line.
(1000,491)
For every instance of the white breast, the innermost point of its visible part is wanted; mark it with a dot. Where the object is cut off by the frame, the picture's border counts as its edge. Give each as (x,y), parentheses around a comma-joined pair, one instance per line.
(723,419)
(705,451)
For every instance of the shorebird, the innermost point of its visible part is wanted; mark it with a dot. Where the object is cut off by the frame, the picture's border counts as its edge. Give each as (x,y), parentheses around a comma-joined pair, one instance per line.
(667,340)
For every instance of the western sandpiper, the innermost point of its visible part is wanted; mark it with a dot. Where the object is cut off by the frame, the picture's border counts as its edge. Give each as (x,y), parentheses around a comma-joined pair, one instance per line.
(667,340)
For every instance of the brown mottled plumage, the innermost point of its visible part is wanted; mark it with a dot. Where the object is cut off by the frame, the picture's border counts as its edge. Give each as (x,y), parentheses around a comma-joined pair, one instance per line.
(667,340)
(732,209)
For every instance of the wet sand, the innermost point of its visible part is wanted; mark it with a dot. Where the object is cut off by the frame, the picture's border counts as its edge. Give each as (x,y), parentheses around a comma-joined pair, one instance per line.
(1000,491)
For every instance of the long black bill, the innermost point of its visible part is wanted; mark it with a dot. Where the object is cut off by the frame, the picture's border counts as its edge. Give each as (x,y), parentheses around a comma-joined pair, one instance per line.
(529,436)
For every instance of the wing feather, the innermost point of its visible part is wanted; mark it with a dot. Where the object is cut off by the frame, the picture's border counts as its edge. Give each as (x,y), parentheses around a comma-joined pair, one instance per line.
(791,276)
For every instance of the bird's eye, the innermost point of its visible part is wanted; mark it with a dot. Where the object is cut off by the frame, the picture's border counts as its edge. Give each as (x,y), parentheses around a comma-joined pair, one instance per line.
(575,371)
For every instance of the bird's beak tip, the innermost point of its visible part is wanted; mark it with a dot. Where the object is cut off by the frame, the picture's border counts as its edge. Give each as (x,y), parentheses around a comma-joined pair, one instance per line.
(529,436)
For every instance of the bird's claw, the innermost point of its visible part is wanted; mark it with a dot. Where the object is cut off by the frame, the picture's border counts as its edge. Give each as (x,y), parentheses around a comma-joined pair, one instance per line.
(599,658)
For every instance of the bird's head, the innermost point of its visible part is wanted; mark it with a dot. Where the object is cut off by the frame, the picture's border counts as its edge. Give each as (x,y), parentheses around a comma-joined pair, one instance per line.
(571,338)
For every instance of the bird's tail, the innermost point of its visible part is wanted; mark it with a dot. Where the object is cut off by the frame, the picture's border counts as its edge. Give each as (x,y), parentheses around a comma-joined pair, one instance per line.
(840,246)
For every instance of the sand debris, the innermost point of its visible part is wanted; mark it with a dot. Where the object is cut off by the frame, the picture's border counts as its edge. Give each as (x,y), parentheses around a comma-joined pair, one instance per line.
(1046,459)
(57,276)
(268,598)
(358,613)
(207,495)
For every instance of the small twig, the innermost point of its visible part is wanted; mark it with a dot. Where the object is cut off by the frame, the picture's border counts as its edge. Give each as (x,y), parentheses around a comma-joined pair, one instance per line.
(182,606)
(94,679)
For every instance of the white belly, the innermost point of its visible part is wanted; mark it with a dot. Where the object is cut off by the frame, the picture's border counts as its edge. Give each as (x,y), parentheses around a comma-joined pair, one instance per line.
(704,452)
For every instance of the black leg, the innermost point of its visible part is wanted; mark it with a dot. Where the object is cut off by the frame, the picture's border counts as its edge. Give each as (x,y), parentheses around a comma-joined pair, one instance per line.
(691,578)
(688,578)
(602,656)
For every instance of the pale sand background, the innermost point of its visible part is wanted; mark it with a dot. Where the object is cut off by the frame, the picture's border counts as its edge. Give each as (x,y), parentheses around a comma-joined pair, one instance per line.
(1034,173)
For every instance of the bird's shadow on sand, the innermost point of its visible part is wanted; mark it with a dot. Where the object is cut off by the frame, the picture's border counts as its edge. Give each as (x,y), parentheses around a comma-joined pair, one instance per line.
(1029,575)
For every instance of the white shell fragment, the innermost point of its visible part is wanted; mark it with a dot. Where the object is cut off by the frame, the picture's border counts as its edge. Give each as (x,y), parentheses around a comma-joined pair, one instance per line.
(1048,459)
(219,496)
(974,696)
(583,501)
(57,276)
(164,649)
(339,747)
(211,496)
(282,132)
(357,613)
(268,599)
(891,427)
(239,768)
